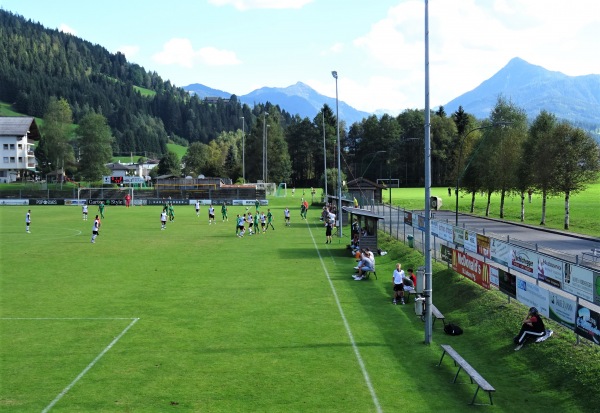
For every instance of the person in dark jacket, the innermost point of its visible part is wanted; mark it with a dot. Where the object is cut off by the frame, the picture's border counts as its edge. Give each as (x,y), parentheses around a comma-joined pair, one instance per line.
(533,326)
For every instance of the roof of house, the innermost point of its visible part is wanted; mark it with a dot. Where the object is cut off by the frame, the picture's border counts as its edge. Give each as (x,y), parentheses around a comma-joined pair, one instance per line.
(120,167)
(364,183)
(19,126)
(363,212)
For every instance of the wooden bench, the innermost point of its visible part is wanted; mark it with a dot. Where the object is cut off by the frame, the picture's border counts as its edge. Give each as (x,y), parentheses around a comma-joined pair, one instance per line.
(437,314)
(467,368)
(367,274)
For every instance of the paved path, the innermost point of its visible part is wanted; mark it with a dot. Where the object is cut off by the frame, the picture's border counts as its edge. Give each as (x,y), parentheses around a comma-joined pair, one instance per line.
(566,245)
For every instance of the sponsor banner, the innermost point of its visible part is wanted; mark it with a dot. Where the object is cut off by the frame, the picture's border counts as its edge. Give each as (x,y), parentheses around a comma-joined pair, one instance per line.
(472,268)
(139,202)
(523,260)
(470,241)
(550,270)
(586,324)
(483,246)
(46,202)
(159,201)
(579,281)
(531,295)
(421,222)
(408,218)
(494,280)
(75,202)
(507,283)
(597,288)
(562,310)
(446,254)
(458,236)
(247,202)
(500,252)
(14,201)
(446,231)
(123,180)
(435,228)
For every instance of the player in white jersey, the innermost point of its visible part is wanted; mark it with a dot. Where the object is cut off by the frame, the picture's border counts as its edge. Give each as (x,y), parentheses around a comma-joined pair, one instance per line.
(27,220)
(211,215)
(163,220)
(84,211)
(95,229)
(197,208)
(250,221)
(286,215)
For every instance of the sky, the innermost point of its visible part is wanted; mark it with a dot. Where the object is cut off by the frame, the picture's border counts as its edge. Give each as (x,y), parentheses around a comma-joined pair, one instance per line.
(377,47)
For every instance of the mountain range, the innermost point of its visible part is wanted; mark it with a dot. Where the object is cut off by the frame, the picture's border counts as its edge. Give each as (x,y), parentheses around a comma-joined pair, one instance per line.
(530,87)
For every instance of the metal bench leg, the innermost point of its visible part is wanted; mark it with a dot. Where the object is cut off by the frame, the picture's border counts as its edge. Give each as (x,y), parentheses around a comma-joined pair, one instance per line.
(476,391)
(491,402)
(455,377)
(443,354)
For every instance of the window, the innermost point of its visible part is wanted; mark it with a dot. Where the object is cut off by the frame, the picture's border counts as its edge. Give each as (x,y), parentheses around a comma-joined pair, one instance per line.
(12,146)
(20,159)
(12,159)
(20,146)
(6,159)
(5,147)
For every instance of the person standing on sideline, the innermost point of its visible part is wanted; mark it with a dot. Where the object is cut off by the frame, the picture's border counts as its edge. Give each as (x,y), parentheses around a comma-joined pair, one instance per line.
(211,215)
(398,284)
(84,211)
(270,219)
(197,208)
(101,209)
(27,220)
(328,230)
(533,325)
(127,200)
(163,220)
(286,216)
(224,212)
(95,229)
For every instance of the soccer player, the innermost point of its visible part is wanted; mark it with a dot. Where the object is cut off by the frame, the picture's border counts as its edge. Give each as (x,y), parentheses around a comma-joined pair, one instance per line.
(197,208)
(211,215)
(95,229)
(250,222)
(171,213)
(257,205)
(163,220)
(101,209)
(224,212)
(241,222)
(263,222)
(27,220)
(256,223)
(286,215)
(270,219)
(84,211)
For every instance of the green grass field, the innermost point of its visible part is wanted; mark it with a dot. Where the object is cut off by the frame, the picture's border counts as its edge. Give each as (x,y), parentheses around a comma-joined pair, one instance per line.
(194,319)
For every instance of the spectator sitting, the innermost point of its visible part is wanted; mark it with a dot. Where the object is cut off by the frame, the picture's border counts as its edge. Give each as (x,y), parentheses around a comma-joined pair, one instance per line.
(354,244)
(367,264)
(532,326)
(409,283)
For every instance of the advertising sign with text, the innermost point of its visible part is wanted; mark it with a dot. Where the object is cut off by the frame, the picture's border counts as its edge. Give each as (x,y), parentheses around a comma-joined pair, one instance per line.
(446,254)
(446,231)
(494,276)
(408,218)
(507,283)
(500,252)
(483,246)
(562,310)
(579,281)
(587,324)
(458,236)
(470,241)
(531,295)
(523,260)
(550,270)
(472,268)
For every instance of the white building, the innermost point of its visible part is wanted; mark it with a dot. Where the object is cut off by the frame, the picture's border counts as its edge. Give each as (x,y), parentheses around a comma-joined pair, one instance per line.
(17,139)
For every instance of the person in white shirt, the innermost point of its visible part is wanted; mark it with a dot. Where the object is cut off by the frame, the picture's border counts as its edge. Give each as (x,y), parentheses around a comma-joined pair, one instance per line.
(27,220)
(84,210)
(286,215)
(211,215)
(398,283)
(197,208)
(163,220)
(367,264)
(95,229)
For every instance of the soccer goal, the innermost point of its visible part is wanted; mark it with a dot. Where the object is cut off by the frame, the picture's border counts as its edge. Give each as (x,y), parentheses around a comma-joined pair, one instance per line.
(389,182)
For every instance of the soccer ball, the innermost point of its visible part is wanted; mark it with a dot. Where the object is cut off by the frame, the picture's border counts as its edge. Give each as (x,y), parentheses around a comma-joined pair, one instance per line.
(247,208)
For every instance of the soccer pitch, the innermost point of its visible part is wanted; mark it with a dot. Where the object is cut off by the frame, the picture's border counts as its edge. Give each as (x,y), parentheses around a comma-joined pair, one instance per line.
(195,319)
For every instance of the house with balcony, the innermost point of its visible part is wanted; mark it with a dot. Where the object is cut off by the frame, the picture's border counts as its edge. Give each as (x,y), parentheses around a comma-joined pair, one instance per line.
(18,135)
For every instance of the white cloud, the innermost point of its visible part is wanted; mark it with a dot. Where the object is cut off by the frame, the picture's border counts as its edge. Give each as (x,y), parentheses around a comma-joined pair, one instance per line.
(262,4)
(180,52)
(66,29)
(129,51)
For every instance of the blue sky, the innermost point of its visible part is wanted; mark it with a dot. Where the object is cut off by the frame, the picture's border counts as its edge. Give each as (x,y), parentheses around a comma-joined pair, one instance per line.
(376,46)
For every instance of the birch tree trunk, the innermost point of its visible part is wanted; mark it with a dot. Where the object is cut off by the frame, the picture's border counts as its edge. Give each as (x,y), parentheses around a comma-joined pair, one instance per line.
(567,197)
(502,195)
(523,206)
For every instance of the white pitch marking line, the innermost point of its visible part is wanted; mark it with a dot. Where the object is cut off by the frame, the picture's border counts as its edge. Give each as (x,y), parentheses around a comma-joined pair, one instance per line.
(89,366)
(350,335)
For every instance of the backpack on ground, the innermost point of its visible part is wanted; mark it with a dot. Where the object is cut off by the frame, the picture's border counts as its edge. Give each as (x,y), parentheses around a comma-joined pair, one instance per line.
(452,330)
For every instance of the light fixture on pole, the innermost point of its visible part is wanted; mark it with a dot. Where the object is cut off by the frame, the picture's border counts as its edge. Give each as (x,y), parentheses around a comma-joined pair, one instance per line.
(243,149)
(339,156)
(458,169)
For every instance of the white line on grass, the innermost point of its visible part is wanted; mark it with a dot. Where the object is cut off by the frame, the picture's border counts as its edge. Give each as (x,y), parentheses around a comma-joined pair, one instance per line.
(350,335)
(89,366)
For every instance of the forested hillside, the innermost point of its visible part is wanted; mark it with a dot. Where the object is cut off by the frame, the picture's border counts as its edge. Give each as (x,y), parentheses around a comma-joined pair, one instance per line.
(37,63)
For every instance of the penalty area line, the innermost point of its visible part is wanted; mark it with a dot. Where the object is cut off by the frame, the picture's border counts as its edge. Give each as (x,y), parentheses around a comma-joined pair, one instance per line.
(359,358)
(89,366)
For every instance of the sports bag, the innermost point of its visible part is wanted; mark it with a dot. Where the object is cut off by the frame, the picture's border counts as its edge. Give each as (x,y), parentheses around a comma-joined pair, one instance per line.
(452,330)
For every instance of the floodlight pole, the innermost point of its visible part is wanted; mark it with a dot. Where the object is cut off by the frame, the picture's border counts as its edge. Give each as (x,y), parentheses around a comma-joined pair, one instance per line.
(427,292)
(324,158)
(243,149)
(339,157)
